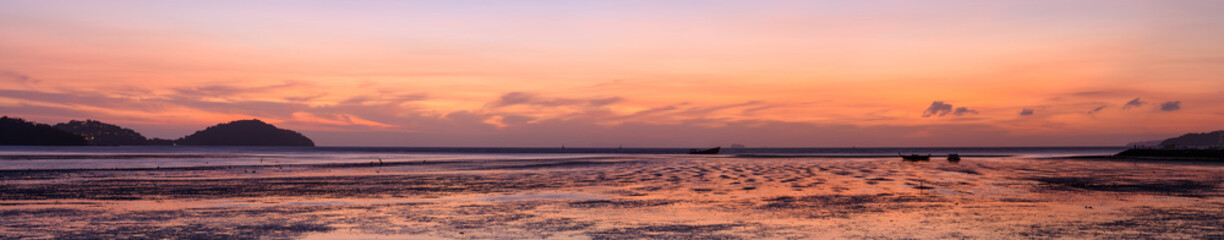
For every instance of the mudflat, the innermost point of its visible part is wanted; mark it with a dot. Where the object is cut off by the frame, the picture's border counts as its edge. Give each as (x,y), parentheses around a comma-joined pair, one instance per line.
(623,197)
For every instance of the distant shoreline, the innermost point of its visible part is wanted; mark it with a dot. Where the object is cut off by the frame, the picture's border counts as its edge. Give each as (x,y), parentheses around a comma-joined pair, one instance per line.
(1153,159)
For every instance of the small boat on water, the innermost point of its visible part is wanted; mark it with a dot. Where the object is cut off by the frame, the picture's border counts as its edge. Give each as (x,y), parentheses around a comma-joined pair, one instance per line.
(953,157)
(706,151)
(915,157)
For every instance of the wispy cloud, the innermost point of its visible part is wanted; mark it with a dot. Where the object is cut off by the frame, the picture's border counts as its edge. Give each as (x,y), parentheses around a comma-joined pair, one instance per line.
(716,108)
(1097,109)
(385,99)
(650,112)
(1133,104)
(225,90)
(18,78)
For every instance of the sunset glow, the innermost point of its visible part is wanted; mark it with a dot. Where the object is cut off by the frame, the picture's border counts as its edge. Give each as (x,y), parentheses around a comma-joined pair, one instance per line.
(626,73)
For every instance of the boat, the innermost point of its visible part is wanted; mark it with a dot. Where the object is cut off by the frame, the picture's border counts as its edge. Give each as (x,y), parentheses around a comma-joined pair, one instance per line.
(707,151)
(954,157)
(915,157)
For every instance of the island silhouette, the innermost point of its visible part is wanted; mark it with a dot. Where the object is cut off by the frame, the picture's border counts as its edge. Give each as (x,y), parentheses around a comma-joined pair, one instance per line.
(245,133)
(16,131)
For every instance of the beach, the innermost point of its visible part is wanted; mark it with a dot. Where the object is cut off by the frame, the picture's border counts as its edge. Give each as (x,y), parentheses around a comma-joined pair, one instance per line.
(616,196)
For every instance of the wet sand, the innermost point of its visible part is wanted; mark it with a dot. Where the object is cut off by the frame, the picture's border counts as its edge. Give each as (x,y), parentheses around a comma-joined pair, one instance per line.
(623,197)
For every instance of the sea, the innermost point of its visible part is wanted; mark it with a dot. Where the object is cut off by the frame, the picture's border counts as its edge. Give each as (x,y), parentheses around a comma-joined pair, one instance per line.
(144,157)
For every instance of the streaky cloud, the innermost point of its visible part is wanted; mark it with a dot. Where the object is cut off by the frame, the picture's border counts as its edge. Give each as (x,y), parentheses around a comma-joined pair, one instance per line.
(533,99)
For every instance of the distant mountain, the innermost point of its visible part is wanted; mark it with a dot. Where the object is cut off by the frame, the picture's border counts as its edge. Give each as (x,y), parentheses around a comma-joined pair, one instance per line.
(1195,140)
(15,131)
(245,133)
(103,134)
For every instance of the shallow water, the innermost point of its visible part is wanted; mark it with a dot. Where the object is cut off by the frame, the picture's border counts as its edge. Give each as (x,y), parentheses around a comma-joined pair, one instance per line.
(590,195)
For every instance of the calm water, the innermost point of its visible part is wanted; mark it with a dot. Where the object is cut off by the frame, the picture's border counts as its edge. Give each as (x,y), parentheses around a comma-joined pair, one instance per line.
(25,157)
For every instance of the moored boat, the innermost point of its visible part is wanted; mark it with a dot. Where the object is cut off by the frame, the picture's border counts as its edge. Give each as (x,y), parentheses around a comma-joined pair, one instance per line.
(706,151)
(915,157)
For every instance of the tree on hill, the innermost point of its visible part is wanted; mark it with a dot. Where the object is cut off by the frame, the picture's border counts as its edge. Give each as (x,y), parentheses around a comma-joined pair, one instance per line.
(15,131)
(245,133)
(99,133)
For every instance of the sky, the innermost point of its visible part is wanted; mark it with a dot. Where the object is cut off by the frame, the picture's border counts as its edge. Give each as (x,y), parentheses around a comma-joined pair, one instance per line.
(626,73)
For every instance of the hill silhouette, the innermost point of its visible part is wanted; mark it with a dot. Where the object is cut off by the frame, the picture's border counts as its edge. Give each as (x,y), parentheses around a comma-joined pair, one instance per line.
(103,134)
(1195,139)
(245,133)
(16,131)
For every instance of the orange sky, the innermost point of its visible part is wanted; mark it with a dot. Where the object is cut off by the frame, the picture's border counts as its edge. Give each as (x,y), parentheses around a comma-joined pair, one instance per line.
(631,73)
